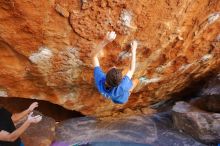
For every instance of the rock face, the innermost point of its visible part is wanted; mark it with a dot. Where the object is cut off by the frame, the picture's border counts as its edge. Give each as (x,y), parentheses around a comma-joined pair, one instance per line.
(45,48)
(209,96)
(153,130)
(198,123)
(209,103)
(201,117)
(212,87)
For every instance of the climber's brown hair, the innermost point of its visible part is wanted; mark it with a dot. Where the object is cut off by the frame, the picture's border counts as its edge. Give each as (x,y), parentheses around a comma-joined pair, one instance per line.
(113,77)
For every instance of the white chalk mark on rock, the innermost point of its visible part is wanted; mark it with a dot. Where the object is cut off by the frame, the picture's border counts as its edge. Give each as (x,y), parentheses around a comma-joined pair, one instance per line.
(206,57)
(43,54)
(124,54)
(185,67)
(213,17)
(34,97)
(69,62)
(161,68)
(43,61)
(3,93)
(126,18)
(145,81)
(84,1)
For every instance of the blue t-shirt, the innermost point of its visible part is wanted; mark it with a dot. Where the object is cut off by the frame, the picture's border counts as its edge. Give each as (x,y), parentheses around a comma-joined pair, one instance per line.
(117,94)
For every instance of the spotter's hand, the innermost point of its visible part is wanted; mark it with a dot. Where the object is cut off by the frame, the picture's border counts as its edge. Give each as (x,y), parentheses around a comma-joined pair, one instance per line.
(33,106)
(34,119)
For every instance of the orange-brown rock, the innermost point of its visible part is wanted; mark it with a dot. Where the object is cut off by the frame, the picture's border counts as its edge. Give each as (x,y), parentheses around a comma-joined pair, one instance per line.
(45,48)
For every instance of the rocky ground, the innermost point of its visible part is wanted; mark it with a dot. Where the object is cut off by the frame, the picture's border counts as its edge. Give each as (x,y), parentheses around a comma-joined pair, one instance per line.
(154,130)
(45,49)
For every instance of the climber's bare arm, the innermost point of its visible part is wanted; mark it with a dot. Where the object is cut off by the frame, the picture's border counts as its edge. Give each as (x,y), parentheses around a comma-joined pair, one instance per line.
(95,61)
(96,52)
(133,61)
(110,36)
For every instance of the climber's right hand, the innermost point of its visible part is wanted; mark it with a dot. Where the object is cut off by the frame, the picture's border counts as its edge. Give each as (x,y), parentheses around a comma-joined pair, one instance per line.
(110,36)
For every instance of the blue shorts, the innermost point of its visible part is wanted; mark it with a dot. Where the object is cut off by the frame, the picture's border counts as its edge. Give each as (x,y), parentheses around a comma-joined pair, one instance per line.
(21,144)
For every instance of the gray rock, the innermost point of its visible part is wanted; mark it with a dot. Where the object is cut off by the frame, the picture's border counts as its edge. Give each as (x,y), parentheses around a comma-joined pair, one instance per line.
(153,130)
(40,134)
(210,103)
(212,87)
(201,125)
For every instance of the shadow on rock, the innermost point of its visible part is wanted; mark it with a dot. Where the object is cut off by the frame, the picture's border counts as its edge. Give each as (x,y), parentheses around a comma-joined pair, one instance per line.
(152,130)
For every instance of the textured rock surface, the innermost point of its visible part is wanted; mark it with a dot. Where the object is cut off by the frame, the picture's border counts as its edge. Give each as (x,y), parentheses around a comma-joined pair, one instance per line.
(198,123)
(209,103)
(209,99)
(41,134)
(153,130)
(45,48)
(212,87)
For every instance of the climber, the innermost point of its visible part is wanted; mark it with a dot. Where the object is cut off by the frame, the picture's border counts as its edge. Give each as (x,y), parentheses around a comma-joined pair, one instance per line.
(9,135)
(112,85)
